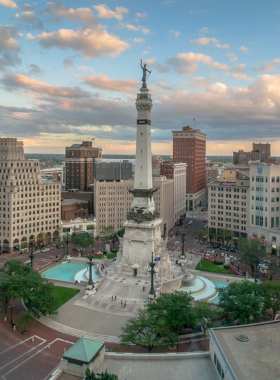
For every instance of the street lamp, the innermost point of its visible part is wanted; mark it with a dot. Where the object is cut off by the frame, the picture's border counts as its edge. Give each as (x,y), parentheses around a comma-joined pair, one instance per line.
(152,271)
(178,340)
(90,265)
(257,262)
(31,256)
(183,256)
(11,308)
(67,242)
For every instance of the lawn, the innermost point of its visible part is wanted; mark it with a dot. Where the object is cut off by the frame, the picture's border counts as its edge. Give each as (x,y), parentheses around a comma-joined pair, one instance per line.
(64,294)
(209,267)
(109,256)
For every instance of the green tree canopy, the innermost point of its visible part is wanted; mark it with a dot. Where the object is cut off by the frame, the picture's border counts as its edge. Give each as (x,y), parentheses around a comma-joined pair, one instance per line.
(146,330)
(241,300)
(103,376)
(82,241)
(206,314)
(270,291)
(249,249)
(175,309)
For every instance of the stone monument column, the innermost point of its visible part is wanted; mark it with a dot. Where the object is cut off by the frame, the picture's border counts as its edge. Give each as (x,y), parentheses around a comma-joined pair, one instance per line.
(142,227)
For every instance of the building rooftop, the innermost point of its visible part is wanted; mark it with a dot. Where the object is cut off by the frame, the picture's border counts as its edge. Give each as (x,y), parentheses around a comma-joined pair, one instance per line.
(83,350)
(254,359)
(71,201)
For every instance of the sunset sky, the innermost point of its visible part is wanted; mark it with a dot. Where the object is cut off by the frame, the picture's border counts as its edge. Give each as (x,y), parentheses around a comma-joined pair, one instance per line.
(70,71)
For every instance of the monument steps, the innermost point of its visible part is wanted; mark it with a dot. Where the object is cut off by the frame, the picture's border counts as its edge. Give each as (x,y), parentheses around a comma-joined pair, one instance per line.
(78,333)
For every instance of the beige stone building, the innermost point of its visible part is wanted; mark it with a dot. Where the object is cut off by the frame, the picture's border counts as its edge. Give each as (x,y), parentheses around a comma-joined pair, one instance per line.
(112,201)
(28,205)
(228,203)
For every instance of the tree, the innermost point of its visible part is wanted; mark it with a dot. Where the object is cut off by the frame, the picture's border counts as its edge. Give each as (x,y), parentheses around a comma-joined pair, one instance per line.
(114,238)
(82,241)
(175,309)
(206,314)
(25,318)
(224,234)
(108,230)
(42,237)
(241,301)
(121,232)
(103,376)
(249,249)
(270,291)
(146,330)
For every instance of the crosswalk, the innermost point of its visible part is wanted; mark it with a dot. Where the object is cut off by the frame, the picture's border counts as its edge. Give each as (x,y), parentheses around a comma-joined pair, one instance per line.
(75,332)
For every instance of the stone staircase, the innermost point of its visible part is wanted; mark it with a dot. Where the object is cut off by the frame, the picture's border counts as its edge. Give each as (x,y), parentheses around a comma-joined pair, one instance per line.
(78,333)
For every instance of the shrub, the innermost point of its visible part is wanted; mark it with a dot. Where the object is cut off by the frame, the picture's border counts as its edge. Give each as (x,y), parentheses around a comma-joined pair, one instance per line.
(218,262)
(114,250)
(104,252)
(227,266)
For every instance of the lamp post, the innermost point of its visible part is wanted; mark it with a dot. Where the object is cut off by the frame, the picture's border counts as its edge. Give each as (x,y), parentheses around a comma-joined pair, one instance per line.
(257,262)
(67,242)
(31,256)
(11,308)
(152,271)
(90,265)
(183,256)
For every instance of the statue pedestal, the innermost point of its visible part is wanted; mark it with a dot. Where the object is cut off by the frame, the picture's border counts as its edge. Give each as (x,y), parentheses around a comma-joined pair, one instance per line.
(107,248)
(139,241)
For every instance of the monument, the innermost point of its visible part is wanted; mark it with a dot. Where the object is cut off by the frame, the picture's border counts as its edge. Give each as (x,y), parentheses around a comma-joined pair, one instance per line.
(142,227)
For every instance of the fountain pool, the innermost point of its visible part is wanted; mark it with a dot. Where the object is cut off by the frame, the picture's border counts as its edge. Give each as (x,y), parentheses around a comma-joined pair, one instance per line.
(204,289)
(70,272)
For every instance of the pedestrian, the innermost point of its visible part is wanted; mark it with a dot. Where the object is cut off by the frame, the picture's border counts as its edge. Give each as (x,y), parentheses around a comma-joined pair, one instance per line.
(143,288)
(115,298)
(125,304)
(173,277)
(190,341)
(192,349)
(121,302)
(112,298)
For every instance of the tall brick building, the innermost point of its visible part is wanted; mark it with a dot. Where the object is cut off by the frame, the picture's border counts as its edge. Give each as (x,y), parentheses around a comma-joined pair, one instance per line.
(261,152)
(189,146)
(79,162)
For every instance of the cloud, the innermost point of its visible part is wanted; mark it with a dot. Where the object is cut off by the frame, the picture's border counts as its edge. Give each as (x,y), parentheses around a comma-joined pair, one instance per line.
(93,43)
(174,33)
(30,18)
(140,15)
(8,3)
(104,83)
(187,63)
(232,56)
(224,46)
(204,30)
(162,69)
(134,28)
(198,82)
(241,76)
(35,70)
(138,40)
(163,85)
(105,12)
(69,62)
(244,49)
(20,81)
(8,33)
(266,67)
(84,15)
(145,52)
(204,40)
(277,61)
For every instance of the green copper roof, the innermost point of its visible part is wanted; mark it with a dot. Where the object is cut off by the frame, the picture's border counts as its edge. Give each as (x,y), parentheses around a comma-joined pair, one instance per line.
(84,350)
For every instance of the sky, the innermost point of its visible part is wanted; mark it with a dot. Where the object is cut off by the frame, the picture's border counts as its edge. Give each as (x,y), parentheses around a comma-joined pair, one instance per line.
(70,72)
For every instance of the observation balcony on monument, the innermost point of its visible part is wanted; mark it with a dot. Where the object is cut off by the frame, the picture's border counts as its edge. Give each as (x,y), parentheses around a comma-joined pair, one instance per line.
(144,96)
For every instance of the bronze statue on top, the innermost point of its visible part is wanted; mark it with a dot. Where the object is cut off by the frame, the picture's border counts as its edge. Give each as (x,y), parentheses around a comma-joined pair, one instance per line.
(145,77)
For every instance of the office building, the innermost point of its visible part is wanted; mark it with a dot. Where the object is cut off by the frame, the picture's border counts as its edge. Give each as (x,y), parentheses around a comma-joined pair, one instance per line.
(114,171)
(112,202)
(189,146)
(79,162)
(265,205)
(228,203)
(177,172)
(260,152)
(29,205)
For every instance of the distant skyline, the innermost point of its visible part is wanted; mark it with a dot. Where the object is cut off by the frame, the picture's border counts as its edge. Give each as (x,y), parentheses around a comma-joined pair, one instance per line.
(70,71)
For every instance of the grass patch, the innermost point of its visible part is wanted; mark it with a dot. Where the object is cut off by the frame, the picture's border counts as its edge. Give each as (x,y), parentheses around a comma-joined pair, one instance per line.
(64,294)
(209,267)
(109,256)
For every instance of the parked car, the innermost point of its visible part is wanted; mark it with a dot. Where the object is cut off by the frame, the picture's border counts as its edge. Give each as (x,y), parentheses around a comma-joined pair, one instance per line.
(204,220)
(266,261)
(60,246)
(177,233)
(224,248)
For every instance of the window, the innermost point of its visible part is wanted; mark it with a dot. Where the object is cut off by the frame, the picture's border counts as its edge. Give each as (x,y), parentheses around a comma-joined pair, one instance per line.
(273,179)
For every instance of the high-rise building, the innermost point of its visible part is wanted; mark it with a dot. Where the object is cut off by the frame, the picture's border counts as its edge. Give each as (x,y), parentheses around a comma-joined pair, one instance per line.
(79,164)
(177,172)
(228,203)
(260,152)
(29,205)
(265,205)
(189,146)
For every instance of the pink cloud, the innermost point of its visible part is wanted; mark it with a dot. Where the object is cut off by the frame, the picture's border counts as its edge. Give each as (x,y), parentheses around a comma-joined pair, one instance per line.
(105,83)
(106,12)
